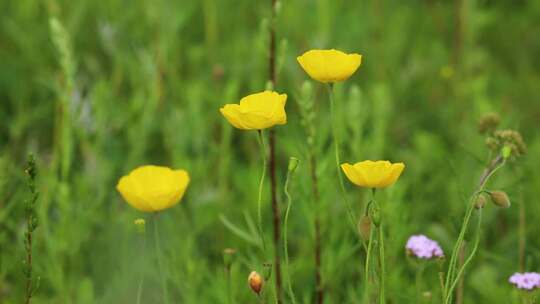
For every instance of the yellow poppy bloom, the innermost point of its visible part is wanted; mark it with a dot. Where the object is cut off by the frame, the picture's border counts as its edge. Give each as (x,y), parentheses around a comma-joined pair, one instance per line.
(373,174)
(329,66)
(153,188)
(257,111)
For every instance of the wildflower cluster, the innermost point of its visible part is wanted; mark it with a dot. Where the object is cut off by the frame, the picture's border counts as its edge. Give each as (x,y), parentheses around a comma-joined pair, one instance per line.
(422,247)
(527,280)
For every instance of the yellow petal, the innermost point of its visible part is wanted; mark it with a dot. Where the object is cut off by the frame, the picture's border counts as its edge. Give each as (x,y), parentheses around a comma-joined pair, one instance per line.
(257,111)
(153,188)
(354,176)
(329,66)
(393,174)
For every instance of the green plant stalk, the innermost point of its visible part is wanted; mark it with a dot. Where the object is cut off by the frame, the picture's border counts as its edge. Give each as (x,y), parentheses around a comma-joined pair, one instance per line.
(229,287)
(419,282)
(382,291)
(495,165)
(31,225)
(141,279)
(261,187)
(336,152)
(368,261)
(285,238)
(469,258)
(157,240)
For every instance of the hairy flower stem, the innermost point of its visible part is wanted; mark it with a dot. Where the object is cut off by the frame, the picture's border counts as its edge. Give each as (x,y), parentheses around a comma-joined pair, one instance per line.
(451,277)
(285,237)
(367,264)
(157,240)
(336,152)
(261,187)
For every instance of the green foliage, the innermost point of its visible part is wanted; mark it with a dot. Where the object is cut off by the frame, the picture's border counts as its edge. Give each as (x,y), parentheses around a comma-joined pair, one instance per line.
(96,88)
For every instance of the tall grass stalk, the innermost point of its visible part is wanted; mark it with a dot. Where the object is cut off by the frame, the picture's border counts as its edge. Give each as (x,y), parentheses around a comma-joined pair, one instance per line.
(272,71)
(31,225)
(261,188)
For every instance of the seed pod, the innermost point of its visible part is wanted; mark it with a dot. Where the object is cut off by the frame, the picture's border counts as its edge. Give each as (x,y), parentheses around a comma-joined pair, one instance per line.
(364,227)
(500,198)
(255,282)
(375,215)
(480,201)
(293,164)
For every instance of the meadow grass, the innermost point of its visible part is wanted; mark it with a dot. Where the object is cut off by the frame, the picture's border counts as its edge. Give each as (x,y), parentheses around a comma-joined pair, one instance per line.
(94,89)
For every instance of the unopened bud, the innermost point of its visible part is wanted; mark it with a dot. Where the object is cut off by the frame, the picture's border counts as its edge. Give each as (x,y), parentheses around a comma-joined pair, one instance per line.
(364,227)
(480,201)
(267,270)
(375,215)
(500,198)
(255,282)
(141,225)
(293,164)
(506,152)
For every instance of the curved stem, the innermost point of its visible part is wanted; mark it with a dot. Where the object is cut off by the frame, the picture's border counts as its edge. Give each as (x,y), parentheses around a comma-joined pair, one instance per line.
(261,187)
(336,152)
(469,258)
(157,240)
(285,238)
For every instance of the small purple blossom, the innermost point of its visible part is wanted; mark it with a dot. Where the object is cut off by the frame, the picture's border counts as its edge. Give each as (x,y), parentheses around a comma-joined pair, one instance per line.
(424,248)
(527,280)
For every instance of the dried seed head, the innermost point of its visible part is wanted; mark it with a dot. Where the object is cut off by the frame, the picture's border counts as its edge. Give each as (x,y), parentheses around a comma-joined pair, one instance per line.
(364,227)
(255,282)
(480,201)
(488,123)
(500,199)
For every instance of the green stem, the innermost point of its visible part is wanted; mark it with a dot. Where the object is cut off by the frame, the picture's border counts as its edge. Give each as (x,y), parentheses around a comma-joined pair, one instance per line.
(285,237)
(157,240)
(469,258)
(336,152)
(229,287)
(419,283)
(141,279)
(261,187)
(495,165)
(382,295)
(366,266)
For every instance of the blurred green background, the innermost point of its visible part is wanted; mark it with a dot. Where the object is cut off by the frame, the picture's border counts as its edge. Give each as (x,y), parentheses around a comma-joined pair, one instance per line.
(111,85)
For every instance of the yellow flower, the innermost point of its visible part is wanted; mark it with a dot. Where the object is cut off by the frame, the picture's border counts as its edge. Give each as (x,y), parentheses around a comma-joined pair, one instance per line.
(373,174)
(329,66)
(153,188)
(257,111)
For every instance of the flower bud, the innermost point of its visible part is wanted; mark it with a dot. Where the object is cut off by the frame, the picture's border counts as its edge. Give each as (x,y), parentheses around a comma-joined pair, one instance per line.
(267,270)
(364,227)
(480,201)
(506,152)
(255,282)
(375,215)
(500,198)
(293,164)
(141,225)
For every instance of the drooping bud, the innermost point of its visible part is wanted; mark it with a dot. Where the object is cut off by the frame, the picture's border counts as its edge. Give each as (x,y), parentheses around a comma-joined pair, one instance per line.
(480,201)
(364,227)
(141,225)
(293,164)
(500,198)
(255,282)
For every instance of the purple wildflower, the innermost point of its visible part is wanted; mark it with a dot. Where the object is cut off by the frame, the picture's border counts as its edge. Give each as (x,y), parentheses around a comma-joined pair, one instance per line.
(527,280)
(424,248)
